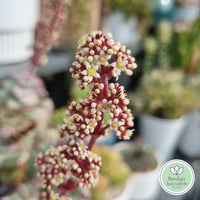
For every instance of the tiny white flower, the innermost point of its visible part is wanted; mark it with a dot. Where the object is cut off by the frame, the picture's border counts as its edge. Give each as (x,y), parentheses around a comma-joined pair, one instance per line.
(90,72)
(91,124)
(102,58)
(105,105)
(82,41)
(69,124)
(115,124)
(119,65)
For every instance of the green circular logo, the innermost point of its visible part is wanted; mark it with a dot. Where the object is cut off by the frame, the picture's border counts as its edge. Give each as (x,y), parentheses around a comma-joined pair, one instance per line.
(176,177)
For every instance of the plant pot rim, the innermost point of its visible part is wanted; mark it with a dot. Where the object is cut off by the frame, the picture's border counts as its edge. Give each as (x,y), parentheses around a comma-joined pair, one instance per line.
(185,116)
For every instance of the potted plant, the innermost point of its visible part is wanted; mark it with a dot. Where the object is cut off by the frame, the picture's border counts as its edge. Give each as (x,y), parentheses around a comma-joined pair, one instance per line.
(166,66)
(163,100)
(144,165)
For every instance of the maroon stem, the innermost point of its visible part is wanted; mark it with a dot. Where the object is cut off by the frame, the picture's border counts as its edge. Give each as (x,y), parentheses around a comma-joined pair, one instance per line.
(94,137)
(103,130)
(92,142)
(105,82)
(99,133)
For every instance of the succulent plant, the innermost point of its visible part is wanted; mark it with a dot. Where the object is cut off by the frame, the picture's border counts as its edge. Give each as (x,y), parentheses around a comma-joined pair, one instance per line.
(165,94)
(158,48)
(140,159)
(172,45)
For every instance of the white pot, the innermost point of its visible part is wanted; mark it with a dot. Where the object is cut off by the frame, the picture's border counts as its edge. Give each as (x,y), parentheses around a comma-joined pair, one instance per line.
(162,134)
(18,20)
(140,185)
(123,29)
(190,141)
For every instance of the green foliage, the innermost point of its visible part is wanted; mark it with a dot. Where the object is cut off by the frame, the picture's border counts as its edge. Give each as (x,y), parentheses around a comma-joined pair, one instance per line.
(185,44)
(58,116)
(140,8)
(171,49)
(157,48)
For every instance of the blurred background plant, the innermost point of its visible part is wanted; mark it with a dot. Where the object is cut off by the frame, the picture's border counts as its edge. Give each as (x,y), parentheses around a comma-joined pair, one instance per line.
(83,16)
(140,158)
(109,179)
(157,47)
(185,47)
(165,94)
(168,48)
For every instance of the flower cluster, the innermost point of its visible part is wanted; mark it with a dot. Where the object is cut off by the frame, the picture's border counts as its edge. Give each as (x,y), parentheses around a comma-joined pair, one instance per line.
(86,118)
(98,59)
(67,167)
(48,29)
(100,56)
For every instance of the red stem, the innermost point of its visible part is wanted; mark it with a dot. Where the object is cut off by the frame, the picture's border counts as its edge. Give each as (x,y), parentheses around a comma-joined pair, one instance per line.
(94,137)
(92,142)
(105,82)
(99,133)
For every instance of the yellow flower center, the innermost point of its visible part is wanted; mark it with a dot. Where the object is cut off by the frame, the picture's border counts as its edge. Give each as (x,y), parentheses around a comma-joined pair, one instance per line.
(58,179)
(54,196)
(120,65)
(105,106)
(81,40)
(69,123)
(56,151)
(91,124)
(82,146)
(91,155)
(91,71)
(114,124)
(102,58)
